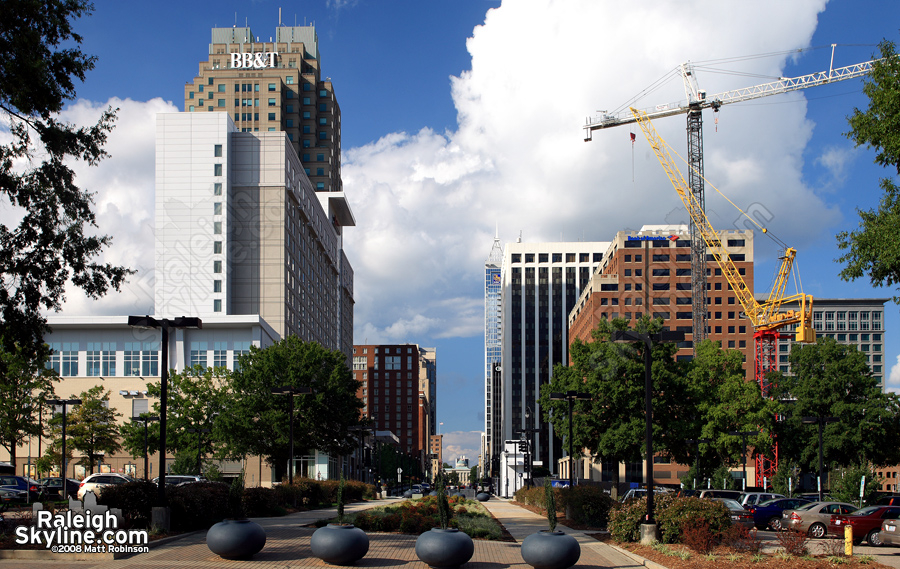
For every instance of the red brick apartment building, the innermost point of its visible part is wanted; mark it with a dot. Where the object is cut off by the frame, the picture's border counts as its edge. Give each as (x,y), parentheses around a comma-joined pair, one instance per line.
(394,398)
(649,272)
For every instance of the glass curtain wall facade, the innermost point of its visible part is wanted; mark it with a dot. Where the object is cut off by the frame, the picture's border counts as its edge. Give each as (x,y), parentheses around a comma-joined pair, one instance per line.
(492,348)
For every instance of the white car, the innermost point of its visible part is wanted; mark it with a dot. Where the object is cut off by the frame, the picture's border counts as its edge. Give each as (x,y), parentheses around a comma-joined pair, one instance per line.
(97,482)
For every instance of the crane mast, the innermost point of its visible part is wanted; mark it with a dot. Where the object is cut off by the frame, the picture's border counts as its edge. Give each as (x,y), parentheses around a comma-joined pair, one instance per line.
(696,101)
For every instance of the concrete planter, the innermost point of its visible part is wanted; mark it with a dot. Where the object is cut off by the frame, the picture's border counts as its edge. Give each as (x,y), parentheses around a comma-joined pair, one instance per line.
(339,544)
(236,539)
(444,547)
(550,550)
(482,496)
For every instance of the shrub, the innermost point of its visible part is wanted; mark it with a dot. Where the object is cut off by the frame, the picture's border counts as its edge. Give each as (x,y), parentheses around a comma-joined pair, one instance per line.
(740,538)
(589,505)
(261,502)
(625,520)
(479,527)
(675,514)
(793,542)
(699,536)
(135,499)
(198,506)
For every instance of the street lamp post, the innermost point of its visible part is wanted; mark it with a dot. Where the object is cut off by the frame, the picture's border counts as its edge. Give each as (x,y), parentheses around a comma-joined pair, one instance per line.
(145,420)
(164,324)
(821,421)
(628,336)
(64,403)
(571,397)
(744,435)
(291,391)
(199,446)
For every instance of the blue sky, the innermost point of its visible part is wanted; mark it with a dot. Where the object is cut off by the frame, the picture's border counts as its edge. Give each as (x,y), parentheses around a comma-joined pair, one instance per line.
(457,120)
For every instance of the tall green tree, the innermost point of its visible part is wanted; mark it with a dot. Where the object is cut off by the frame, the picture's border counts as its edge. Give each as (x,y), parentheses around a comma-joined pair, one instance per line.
(53,242)
(92,428)
(25,386)
(256,421)
(612,423)
(196,399)
(873,249)
(834,380)
(726,401)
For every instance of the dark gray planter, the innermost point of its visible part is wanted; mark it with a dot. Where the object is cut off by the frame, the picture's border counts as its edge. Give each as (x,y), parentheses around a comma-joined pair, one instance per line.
(408,494)
(444,547)
(482,496)
(236,539)
(339,544)
(550,550)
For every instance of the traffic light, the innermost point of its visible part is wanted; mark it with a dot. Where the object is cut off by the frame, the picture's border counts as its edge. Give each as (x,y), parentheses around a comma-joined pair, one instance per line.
(527,462)
(523,446)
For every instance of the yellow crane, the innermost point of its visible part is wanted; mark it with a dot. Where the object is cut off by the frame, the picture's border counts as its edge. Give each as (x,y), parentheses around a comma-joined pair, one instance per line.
(696,101)
(767,317)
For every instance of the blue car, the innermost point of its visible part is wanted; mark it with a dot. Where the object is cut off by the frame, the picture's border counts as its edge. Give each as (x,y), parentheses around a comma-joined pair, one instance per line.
(24,485)
(768,514)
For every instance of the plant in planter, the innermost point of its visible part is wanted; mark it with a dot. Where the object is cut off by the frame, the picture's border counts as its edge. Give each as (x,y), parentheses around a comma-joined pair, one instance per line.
(444,546)
(236,537)
(550,549)
(340,543)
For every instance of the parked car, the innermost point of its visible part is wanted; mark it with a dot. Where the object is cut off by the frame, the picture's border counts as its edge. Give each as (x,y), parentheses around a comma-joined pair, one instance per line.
(768,514)
(888,501)
(890,532)
(53,487)
(97,482)
(739,515)
(813,518)
(9,496)
(32,487)
(752,498)
(866,523)
(642,493)
(733,494)
(177,479)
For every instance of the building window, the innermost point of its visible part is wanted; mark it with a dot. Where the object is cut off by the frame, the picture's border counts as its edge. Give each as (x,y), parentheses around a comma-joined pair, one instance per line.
(217,247)
(217,189)
(217,305)
(217,208)
(217,169)
(198,354)
(132,359)
(217,286)
(149,359)
(217,266)
(217,227)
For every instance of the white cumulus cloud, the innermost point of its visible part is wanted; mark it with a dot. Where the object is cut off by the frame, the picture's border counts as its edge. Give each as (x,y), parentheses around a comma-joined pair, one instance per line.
(893,381)
(427,203)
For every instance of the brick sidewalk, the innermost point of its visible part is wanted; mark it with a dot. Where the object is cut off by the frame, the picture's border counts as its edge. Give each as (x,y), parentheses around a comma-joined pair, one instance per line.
(287,546)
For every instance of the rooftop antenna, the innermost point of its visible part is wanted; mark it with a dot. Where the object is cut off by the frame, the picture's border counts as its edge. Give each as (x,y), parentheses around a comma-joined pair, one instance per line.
(235,19)
(279,16)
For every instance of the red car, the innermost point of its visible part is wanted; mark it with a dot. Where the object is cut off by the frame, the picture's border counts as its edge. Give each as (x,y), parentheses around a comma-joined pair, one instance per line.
(866,523)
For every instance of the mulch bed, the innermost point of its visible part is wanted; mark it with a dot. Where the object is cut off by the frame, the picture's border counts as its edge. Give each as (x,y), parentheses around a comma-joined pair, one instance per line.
(723,557)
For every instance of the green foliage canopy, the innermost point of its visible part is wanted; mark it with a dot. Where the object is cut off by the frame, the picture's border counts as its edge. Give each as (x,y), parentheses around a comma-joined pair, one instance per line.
(40,59)
(256,422)
(834,380)
(873,249)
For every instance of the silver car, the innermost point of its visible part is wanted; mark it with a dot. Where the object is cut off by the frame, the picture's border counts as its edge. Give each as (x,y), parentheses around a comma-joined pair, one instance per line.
(753,498)
(738,514)
(813,518)
(890,532)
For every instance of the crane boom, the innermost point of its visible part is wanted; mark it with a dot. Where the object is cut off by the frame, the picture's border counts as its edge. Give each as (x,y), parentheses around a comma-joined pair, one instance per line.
(763,316)
(783,85)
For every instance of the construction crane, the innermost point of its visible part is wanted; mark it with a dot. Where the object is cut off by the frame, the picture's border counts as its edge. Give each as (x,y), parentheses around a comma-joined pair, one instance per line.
(767,317)
(697,100)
